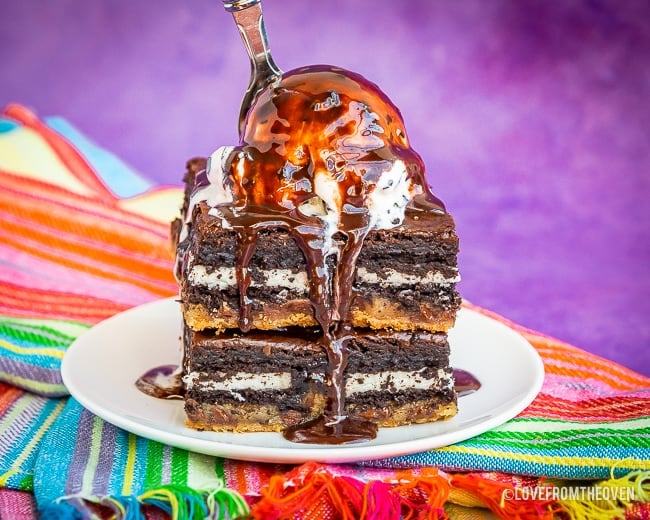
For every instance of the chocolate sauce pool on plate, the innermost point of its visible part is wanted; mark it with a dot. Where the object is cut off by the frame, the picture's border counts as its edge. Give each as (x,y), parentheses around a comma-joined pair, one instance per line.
(465,383)
(163,382)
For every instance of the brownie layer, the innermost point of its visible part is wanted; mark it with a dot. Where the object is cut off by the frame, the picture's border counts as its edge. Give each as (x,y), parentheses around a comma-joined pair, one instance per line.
(268,381)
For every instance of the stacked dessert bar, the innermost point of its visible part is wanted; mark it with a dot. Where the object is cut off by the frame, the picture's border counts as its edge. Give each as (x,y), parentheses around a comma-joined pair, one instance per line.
(255,357)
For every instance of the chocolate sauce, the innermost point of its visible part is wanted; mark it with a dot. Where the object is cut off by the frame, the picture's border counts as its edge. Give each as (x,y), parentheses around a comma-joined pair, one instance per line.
(465,383)
(163,382)
(246,241)
(314,145)
(319,431)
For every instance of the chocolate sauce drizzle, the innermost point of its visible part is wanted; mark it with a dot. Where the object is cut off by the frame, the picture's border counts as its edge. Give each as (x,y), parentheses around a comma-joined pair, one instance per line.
(465,383)
(314,125)
(163,382)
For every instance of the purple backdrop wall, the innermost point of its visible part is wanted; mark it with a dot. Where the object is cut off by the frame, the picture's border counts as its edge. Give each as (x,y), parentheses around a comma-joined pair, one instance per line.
(532,118)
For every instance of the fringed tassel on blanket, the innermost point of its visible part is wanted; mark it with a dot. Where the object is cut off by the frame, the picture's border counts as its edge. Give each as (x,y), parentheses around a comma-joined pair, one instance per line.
(626,498)
(312,492)
(179,502)
(497,493)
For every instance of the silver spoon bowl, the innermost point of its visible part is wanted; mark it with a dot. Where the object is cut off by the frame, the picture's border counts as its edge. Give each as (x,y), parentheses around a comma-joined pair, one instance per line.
(250,22)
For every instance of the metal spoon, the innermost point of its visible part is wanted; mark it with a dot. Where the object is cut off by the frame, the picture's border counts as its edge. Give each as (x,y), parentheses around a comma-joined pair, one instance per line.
(250,22)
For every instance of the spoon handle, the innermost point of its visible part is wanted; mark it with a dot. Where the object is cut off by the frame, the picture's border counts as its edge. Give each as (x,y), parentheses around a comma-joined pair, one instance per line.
(250,22)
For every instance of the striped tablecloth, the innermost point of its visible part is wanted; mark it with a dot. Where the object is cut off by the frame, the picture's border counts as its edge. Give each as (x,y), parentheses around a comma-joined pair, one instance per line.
(83,237)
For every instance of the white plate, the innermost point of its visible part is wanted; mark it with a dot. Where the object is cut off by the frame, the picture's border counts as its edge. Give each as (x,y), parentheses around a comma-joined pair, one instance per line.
(101,367)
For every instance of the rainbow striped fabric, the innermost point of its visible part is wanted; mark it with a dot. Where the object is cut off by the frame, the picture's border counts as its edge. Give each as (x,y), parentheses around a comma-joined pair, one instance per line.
(591,419)
(83,237)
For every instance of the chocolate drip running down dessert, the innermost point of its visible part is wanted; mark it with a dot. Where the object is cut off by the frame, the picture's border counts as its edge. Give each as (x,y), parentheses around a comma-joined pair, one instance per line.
(315,241)
(313,159)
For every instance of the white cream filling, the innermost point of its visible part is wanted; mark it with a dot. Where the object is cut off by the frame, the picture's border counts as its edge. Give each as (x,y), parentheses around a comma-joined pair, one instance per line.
(356,383)
(393,278)
(224,277)
(221,278)
(242,381)
(396,381)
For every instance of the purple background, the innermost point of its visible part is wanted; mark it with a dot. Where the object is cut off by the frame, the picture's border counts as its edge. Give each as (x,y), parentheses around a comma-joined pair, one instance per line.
(532,118)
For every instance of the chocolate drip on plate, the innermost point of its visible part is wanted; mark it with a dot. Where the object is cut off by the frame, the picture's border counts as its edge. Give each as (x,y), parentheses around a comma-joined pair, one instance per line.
(320,431)
(163,382)
(465,383)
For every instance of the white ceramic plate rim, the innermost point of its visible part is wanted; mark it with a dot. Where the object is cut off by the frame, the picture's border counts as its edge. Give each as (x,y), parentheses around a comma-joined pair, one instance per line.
(100,368)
